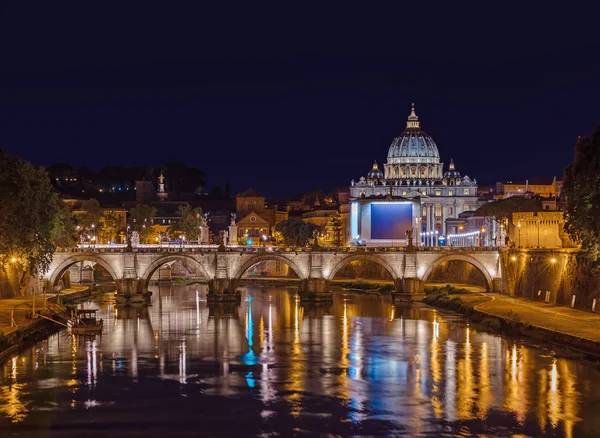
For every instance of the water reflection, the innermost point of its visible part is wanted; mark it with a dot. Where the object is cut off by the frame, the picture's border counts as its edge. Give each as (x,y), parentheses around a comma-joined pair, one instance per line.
(360,364)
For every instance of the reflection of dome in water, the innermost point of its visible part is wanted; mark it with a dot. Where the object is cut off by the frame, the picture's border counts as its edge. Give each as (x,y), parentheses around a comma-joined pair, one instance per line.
(413,142)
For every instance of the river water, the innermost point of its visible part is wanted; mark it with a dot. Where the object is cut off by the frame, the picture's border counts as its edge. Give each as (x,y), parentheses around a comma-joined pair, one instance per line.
(273,367)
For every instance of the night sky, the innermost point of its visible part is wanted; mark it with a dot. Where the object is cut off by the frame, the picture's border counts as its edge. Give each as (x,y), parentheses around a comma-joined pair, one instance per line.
(290,99)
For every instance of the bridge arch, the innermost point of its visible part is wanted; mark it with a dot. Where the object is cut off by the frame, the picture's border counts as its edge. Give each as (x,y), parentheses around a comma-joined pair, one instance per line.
(265,257)
(370,257)
(460,257)
(57,273)
(163,260)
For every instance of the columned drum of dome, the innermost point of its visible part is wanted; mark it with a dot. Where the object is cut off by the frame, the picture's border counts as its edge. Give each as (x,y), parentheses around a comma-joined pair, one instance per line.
(413,154)
(413,174)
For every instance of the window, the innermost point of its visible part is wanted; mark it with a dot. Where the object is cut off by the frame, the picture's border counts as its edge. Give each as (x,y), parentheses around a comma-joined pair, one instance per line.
(450,193)
(403,192)
(438,192)
(163,221)
(424,211)
(424,192)
(250,206)
(438,210)
(465,191)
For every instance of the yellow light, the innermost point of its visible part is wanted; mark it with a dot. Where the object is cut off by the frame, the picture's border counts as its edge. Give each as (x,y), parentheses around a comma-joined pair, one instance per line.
(553,260)
(13,260)
(513,258)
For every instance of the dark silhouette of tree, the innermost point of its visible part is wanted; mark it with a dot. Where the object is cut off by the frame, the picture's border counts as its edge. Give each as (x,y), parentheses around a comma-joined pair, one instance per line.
(295,232)
(334,229)
(582,190)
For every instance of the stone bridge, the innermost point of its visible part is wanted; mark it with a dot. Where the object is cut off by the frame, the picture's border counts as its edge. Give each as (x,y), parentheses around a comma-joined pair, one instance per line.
(222,267)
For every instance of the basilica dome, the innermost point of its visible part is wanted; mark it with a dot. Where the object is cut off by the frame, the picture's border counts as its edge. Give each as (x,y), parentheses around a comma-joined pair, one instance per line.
(413,143)
(375,173)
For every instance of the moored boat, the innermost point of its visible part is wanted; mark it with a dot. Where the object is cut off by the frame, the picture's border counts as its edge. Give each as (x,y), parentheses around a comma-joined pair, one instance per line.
(85,322)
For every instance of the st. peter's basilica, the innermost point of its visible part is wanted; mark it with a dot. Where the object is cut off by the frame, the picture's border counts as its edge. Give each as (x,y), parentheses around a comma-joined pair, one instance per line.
(412,193)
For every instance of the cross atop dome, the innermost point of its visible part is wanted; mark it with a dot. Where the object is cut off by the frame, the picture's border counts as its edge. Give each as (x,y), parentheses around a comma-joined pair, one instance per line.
(413,120)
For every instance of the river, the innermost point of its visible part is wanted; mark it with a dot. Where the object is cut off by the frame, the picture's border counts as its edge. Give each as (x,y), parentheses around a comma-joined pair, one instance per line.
(274,367)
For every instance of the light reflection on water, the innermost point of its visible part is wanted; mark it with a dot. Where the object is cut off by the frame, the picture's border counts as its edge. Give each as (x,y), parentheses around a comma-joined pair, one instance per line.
(359,366)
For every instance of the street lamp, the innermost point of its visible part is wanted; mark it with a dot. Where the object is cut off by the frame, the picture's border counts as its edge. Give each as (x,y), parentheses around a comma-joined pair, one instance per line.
(264,238)
(482,236)
(94,229)
(519,227)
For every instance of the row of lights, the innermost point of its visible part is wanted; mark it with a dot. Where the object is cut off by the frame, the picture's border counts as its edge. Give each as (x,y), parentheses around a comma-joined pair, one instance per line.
(552,260)
(470,234)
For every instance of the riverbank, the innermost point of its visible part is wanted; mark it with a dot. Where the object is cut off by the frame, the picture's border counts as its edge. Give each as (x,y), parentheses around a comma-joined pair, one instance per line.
(563,327)
(18,328)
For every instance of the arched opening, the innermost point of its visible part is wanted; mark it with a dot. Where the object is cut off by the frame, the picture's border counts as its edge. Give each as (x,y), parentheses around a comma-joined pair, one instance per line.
(83,271)
(269,267)
(362,272)
(459,273)
(174,269)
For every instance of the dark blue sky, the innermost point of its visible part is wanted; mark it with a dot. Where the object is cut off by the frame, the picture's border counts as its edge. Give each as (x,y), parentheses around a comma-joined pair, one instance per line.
(291,99)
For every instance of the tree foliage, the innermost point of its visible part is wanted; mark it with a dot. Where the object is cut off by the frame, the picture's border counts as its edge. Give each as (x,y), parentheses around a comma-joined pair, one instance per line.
(582,190)
(108,229)
(63,227)
(190,223)
(28,206)
(295,232)
(504,208)
(92,214)
(334,229)
(141,221)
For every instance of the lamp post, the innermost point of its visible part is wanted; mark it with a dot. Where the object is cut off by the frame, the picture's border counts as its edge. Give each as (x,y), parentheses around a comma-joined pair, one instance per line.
(482,236)
(538,230)
(264,239)
(94,231)
(519,227)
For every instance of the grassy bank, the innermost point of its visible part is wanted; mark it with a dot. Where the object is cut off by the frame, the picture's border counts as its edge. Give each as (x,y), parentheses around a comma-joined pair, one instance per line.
(361,285)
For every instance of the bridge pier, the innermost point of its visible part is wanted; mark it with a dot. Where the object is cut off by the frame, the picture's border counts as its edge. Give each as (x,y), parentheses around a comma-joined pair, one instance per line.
(315,290)
(223,290)
(409,290)
(130,291)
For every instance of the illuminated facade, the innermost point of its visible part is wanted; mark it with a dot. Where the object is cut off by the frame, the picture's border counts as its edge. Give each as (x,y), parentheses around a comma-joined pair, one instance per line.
(412,193)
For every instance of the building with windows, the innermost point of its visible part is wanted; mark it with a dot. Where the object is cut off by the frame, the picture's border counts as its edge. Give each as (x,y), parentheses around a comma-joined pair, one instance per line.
(412,193)
(255,219)
(548,187)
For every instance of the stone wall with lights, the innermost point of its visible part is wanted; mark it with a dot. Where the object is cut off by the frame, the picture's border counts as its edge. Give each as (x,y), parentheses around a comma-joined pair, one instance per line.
(550,275)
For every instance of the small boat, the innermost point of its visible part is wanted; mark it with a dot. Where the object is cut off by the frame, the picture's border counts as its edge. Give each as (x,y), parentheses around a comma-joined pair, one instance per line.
(85,322)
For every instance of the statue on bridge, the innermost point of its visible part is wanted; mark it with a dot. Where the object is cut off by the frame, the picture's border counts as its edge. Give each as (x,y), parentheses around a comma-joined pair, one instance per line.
(135,238)
(409,236)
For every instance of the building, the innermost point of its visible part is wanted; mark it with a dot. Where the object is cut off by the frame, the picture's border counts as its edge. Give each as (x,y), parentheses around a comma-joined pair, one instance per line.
(255,219)
(543,229)
(548,187)
(412,193)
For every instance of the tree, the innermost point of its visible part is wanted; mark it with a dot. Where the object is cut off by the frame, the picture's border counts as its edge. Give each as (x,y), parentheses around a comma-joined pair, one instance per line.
(295,232)
(141,221)
(334,229)
(582,190)
(108,229)
(92,213)
(63,226)
(504,208)
(28,206)
(191,221)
